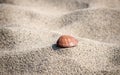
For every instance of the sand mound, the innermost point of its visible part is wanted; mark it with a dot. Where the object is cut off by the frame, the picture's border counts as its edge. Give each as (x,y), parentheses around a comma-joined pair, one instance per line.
(67,5)
(99,24)
(54,60)
(29,30)
(22,38)
(13,16)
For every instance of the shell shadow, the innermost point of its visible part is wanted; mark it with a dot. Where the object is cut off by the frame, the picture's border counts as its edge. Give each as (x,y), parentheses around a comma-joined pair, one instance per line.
(55,47)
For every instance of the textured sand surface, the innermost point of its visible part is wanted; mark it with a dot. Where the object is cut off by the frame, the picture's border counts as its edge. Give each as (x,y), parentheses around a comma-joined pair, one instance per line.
(29,30)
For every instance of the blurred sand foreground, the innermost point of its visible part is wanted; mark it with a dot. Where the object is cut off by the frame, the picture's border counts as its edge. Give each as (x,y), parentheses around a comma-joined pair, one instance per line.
(29,30)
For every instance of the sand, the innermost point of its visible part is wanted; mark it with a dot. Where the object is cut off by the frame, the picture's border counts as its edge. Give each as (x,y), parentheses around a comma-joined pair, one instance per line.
(29,30)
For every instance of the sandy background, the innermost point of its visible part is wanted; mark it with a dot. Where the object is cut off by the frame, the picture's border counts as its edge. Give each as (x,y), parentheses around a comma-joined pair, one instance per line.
(29,30)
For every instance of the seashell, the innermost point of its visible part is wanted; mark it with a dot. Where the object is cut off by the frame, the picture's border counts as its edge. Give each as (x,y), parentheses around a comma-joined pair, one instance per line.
(66,41)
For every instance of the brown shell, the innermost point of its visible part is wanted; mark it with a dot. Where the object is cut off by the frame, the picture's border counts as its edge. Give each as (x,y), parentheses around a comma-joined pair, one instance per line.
(67,41)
